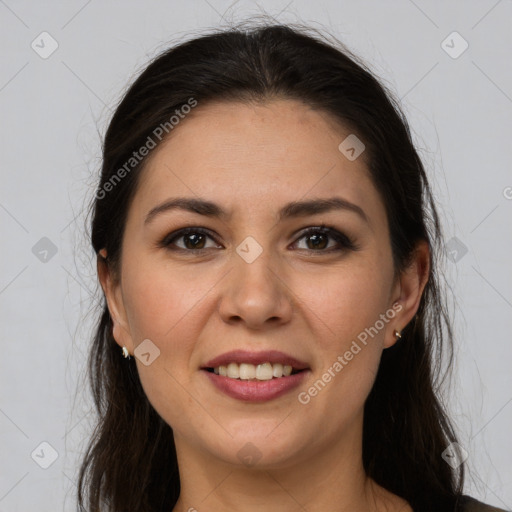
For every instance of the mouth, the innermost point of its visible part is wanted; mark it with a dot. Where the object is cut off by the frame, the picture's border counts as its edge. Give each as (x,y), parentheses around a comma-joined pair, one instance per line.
(255,376)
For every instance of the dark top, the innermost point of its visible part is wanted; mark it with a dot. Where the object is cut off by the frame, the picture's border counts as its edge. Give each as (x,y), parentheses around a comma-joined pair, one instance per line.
(471,505)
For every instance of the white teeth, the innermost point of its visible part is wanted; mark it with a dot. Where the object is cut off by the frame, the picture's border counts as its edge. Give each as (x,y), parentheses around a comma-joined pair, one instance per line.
(246,371)
(233,371)
(264,371)
(277,370)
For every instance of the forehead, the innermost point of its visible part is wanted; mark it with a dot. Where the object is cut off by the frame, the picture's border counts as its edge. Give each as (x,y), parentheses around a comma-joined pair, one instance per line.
(250,156)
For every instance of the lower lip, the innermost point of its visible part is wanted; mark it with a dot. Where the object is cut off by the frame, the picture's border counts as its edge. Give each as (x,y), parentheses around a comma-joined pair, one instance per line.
(256,390)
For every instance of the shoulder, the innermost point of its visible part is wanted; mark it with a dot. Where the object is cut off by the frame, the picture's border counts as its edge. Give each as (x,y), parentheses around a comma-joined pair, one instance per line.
(468,504)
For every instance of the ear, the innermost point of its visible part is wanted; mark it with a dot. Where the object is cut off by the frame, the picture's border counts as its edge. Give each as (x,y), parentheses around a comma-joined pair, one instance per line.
(111,286)
(408,290)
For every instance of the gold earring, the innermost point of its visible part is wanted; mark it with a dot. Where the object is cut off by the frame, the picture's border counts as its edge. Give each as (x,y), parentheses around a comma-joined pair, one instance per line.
(126,354)
(397,334)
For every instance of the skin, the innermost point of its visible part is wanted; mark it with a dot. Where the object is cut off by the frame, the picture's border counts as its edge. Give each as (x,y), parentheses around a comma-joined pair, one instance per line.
(251,159)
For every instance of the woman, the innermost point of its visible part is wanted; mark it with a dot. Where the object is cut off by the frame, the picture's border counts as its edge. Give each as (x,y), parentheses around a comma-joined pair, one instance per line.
(267,245)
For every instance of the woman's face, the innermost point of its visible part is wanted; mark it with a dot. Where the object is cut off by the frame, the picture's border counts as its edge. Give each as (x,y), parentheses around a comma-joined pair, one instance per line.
(251,279)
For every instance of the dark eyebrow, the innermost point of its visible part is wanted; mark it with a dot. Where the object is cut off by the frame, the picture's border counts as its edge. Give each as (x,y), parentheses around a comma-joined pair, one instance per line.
(200,206)
(293,209)
(315,206)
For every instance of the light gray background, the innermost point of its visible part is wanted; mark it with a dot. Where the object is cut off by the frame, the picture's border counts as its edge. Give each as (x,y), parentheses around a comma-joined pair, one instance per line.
(51,110)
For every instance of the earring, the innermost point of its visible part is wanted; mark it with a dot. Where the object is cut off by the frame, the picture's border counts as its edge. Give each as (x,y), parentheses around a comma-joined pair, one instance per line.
(397,334)
(126,354)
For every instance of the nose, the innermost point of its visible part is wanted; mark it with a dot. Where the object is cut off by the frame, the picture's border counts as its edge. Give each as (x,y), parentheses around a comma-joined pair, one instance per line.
(256,294)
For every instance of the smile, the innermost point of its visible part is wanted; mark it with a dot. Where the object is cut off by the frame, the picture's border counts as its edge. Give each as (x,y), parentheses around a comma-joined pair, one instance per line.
(255,376)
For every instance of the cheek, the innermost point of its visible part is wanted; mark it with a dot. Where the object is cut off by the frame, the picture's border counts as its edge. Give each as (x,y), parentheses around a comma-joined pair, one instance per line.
(165,380)
(346,315)
(344,302)
(167,306)
(160,304)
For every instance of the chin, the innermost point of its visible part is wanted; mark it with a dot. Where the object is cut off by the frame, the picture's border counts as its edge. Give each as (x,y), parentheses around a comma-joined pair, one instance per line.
(261,446)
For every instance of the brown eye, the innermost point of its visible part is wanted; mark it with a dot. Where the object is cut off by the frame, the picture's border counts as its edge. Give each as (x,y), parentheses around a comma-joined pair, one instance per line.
(317,240)
(193,239)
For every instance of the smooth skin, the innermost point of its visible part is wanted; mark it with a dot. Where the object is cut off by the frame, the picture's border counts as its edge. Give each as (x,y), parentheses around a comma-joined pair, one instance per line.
(308,296)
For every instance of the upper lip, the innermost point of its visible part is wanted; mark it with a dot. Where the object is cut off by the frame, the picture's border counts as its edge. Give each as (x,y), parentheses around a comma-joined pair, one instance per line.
(266,356)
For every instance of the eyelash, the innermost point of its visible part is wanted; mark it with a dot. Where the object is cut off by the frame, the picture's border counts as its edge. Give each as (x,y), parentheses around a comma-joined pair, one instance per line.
(345,242)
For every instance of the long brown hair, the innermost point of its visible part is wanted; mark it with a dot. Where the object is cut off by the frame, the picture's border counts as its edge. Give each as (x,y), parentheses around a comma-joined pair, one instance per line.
(130,463)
